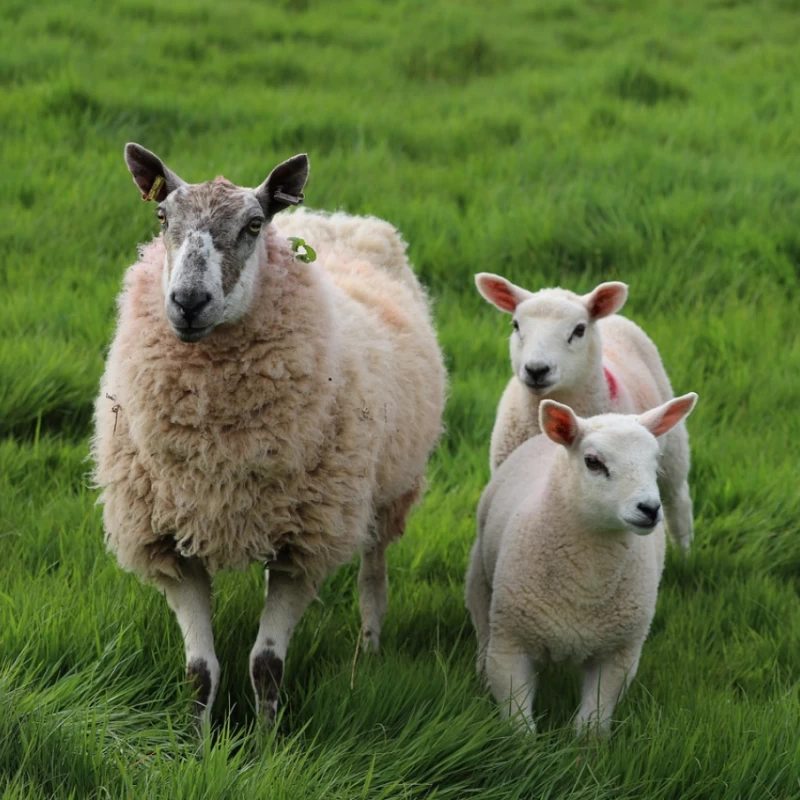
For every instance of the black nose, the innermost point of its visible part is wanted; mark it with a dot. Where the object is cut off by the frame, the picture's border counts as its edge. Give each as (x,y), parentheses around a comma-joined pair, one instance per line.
(537,372)
(650,511)
(190,302)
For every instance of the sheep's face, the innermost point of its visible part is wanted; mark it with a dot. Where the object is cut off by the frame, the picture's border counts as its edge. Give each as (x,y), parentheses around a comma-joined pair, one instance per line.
(555,345)
(214,238)
(613,462)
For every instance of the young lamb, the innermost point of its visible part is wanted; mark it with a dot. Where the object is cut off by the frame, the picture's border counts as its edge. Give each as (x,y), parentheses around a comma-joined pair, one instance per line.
(576,350)
(569,554)
(257,408)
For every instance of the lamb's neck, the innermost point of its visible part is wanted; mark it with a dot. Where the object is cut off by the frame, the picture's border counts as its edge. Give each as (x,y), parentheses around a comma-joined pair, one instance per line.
(591,397)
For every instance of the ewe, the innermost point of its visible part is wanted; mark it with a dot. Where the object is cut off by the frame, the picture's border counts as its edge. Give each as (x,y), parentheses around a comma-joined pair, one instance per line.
(263,409)
(569,554)
(574,349)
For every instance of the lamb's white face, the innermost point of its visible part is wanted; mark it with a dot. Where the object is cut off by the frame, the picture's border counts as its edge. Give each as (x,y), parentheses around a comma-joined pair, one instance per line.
(213,235)
(555,345)
(613,462)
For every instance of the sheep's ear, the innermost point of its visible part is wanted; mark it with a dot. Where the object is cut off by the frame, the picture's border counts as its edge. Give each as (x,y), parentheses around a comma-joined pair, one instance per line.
(500,292)
(559,423)
(284,186)
(664,418)
(154,179)
(606,299)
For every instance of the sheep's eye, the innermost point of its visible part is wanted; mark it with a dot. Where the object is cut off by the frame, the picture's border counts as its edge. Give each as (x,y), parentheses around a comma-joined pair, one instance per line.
(162,216)
(594,464)
(515,325)
(578,332)
(254,226)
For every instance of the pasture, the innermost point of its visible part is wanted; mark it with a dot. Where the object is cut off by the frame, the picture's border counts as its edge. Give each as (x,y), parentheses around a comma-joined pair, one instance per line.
(556,142)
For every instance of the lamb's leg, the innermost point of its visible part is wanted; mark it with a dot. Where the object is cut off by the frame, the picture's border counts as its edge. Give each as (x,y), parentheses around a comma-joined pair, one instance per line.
(372,592)
(604,683)
(287,599)
(190,599)
(511,679)
(678,511)
(479,601)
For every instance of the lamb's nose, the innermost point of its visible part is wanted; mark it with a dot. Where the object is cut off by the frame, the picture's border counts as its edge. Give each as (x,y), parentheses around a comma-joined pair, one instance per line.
(650,510)
(537,371)
(190,301)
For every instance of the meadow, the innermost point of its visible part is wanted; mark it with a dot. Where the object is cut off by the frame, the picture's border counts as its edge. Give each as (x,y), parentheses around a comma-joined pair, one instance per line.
(555,142)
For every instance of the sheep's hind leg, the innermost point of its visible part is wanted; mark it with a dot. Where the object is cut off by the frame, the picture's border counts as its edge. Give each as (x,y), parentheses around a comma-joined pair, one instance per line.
(479,601)
(678,511)
(604,683)
(190,599)
(373,583)
(286,600)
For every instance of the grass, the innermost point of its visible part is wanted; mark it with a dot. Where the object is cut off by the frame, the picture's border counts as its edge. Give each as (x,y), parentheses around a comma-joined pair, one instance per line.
(562,141)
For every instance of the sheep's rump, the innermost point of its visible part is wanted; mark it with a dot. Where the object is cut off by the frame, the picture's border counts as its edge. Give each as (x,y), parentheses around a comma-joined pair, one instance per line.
(282,436)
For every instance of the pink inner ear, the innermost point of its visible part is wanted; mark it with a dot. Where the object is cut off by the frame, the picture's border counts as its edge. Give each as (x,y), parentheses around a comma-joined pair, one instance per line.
(559,427)
(604,303)
(671,417)
(500,294)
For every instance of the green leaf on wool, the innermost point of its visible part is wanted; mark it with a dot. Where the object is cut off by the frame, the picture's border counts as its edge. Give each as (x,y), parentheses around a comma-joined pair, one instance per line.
(308,255)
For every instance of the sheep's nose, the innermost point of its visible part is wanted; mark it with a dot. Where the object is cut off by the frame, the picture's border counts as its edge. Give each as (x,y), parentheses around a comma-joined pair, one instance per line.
(190,301)
(650,510)
(537,372)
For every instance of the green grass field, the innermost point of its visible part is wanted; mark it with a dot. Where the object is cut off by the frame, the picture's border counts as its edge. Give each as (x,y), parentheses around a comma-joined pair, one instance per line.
(556,142)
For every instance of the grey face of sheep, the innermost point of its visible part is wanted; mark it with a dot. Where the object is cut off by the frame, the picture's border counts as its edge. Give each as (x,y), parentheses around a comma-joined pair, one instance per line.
(213,236)
(555,344)
(613,461)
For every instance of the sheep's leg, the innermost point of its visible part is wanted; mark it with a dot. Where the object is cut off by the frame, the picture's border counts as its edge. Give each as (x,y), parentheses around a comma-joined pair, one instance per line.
(678,511)
(511,679)
(479,601)
(604,684)
(373,592)
(190,599)
(286,600)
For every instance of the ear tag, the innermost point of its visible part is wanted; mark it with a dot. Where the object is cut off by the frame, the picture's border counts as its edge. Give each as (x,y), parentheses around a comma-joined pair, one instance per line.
(154,189)
(293,200)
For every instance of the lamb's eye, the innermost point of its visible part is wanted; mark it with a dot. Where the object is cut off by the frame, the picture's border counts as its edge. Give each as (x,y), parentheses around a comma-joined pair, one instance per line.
(254,226)
(515,325)
(578,332)
(162,216)
(594,464)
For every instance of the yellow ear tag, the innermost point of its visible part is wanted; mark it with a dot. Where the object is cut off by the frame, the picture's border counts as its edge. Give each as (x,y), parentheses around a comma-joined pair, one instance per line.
(157,184)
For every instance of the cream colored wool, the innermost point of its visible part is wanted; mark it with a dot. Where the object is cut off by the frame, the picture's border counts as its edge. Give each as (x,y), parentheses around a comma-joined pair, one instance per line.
(279,438)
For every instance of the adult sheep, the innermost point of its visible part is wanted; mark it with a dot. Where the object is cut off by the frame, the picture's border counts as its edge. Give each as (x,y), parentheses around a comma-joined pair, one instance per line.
(258,408)
(577,350)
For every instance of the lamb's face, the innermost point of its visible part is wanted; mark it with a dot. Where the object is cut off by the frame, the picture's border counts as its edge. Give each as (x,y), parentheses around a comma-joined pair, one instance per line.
(616,470)
(612,462)
(213,235)
(554,344)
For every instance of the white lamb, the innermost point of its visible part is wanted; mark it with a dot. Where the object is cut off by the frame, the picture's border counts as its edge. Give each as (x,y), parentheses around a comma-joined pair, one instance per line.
(575,349)
(569,554)
(257,408)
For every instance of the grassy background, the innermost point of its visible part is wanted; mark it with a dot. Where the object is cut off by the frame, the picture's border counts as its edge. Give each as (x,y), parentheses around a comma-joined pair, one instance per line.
(554,142)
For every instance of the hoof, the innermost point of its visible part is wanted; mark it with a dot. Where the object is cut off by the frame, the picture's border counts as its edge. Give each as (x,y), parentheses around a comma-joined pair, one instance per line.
(266,673)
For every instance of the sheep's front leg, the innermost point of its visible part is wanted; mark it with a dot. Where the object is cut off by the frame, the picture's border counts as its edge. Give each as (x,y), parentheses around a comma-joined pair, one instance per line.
(511,679)
(479,601)
(190,599)
(604,683)
(287,599)
(373,593)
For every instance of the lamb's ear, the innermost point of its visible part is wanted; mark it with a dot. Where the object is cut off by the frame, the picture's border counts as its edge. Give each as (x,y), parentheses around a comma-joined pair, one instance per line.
(154,179)
(606,299)
(559,423)
(500,292)
(284,186)
(665,417)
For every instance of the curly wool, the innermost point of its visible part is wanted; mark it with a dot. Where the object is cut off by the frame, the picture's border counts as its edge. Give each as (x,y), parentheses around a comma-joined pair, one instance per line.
(276,439)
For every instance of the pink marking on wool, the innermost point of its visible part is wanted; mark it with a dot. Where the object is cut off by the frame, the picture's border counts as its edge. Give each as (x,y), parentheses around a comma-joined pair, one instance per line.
(613,387)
